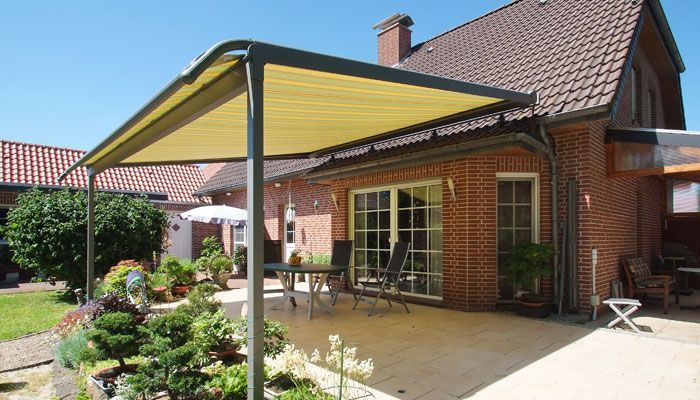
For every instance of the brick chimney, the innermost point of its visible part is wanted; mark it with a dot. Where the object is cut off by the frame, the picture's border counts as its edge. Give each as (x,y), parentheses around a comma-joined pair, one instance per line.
(393,39)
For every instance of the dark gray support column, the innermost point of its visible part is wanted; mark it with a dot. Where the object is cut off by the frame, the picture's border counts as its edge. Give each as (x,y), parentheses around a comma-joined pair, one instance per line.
(255,230)
(90,273)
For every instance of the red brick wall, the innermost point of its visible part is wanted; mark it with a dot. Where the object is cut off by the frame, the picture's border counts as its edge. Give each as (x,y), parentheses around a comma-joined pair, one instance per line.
(648,80)
(313,226)
(469,221)
(393,44)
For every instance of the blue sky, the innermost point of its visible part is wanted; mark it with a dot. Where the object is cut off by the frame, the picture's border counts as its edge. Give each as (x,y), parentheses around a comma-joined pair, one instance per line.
(72,71)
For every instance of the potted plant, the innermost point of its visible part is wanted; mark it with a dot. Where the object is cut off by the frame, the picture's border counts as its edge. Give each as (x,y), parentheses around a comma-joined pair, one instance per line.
(294,257)
(215,333)
(115,336)
(240,259)
(180,273)
(525,264)
(219,267)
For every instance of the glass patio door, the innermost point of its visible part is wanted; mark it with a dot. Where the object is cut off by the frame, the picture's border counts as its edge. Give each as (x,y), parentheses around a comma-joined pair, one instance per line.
(407,213)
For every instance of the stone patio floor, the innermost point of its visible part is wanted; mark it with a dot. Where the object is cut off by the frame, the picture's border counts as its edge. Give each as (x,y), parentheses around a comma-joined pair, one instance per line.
(434,353)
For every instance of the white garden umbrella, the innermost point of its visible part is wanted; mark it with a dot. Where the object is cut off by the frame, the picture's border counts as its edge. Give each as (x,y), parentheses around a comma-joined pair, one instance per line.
(217,215)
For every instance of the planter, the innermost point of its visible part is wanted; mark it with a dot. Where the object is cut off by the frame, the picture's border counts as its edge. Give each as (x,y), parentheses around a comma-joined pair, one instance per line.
(222,279)
(160,293)
(534,306)
(294,260)
(180,290)
(101,382)
(227,354)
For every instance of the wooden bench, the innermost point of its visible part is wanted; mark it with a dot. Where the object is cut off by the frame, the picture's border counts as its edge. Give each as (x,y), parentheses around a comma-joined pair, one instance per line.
(641,281)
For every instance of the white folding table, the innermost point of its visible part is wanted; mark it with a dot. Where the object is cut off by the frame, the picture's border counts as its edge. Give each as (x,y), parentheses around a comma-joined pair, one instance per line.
(630,306)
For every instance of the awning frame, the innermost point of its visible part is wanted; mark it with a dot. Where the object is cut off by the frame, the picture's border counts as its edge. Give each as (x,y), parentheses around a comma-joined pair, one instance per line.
(227,86)
(264,53)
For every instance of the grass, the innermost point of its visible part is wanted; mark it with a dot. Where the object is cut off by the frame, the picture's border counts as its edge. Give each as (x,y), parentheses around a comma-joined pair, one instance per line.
(25,313)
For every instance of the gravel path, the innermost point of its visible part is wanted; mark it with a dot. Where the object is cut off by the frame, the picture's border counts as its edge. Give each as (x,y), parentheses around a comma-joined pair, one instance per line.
(26,351)
(30,287)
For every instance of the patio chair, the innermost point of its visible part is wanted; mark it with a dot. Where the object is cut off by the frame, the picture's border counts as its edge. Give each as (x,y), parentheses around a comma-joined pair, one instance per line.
(342,251)
(640,280)
(387,279)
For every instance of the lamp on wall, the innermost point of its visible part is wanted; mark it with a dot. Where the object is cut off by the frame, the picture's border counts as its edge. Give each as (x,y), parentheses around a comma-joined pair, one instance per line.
(451,185)
(334,197)
(278,184)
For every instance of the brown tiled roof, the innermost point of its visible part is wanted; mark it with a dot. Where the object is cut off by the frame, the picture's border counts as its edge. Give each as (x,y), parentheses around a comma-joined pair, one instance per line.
(571,53)
(233,175)
(33,164)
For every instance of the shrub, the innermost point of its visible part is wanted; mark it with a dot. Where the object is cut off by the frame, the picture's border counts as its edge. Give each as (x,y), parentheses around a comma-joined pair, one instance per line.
(240,255)
(275,335)
(46,232)
(115,280)
(166,333)
(115,336)
(312,258)
(216,264)
(180,272)
(200,300)
(211,246)
(83,317)
(73,351)
(305,392)
(527,262)
(214,331)
(231,383)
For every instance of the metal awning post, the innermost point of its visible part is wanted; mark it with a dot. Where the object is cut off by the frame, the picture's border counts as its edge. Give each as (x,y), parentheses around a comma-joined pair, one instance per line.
(255,230)
(90,273)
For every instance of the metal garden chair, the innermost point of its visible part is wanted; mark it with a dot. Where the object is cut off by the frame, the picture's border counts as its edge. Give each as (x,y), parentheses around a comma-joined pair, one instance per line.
(387,279)
(342,251)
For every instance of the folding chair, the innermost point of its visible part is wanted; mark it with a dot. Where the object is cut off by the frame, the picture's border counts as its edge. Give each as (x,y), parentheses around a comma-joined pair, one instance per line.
(631,305)
(388,279)
(342,251)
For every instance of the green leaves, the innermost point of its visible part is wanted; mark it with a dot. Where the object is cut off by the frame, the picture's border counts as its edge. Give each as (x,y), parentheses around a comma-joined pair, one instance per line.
(47,232)
(527,262)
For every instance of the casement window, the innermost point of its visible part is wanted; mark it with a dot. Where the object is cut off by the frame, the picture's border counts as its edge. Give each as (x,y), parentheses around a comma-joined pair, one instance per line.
(239,236)
(517,220)
(289,229)
(410,212)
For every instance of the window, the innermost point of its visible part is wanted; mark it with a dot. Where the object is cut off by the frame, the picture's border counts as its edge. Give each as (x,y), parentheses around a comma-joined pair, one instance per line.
(517,221)
(239,236)
(636,100)
(289,230)
(407,213)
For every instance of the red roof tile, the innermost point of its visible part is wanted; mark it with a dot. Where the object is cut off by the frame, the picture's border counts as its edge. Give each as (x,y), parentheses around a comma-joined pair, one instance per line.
(33,164)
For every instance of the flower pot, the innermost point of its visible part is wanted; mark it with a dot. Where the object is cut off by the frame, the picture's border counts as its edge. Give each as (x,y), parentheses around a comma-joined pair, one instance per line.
(534,306)
(222,279)
(101,382)
(224,354)
(294,260)
(160,292)
(180,290)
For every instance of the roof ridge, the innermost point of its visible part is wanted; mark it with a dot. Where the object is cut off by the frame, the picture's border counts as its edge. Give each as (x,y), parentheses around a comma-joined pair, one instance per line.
(510,3)
(48,146)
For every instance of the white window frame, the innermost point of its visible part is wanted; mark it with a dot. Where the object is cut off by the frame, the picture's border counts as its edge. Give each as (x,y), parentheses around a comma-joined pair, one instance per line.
(393,215)
(236,244)
(533,177)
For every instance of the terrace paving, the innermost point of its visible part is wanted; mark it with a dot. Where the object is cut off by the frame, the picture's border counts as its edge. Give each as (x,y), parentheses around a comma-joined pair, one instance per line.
(435,353)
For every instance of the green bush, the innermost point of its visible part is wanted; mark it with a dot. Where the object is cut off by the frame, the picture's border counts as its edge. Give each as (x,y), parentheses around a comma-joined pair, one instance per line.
(46,232)
(304,392)
(527,262)
(214,332)
(73,351)
(201,300)
(211,246)
(115,336)
(240,255)
(231,384)
(166,333)
(180,272)
(312,258)
(115,280)
(275,334)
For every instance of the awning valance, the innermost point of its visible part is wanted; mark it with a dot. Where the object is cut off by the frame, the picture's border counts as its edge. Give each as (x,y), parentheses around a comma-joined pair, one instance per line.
(314,104)
(645,151)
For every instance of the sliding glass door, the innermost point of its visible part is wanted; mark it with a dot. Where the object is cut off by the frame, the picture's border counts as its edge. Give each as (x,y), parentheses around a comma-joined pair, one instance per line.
(408,213)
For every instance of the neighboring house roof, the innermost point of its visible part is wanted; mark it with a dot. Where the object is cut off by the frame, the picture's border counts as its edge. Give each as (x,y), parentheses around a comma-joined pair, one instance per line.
(233,175)
(33,164)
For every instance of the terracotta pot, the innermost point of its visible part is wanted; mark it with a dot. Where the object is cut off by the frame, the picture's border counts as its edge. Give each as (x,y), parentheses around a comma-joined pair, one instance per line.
(180,290)
(224,353)
(535,306)
(222,279)
(110,374)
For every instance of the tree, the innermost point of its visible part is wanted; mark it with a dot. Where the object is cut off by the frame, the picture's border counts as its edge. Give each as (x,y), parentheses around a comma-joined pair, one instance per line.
(47,232)
(115,336)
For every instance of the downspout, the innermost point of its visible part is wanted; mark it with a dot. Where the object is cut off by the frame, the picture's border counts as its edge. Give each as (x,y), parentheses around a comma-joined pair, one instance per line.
(557,286)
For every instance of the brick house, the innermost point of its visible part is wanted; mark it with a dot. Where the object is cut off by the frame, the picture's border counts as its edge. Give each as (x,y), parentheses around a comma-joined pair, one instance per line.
(465,193)
(170,187)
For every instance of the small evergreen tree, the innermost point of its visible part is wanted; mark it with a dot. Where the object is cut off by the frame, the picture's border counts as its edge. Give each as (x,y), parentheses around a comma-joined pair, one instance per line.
(115,336)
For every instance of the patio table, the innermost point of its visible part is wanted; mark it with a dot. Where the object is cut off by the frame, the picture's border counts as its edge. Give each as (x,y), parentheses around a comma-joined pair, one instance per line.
(283,270)
(687,271)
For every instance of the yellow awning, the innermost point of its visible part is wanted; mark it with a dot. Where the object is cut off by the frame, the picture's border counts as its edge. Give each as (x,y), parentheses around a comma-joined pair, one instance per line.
(312,104)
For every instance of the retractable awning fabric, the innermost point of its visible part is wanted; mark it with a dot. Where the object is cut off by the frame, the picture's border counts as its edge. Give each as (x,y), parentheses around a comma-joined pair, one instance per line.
(314,104)
(250,100)
(645,151)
